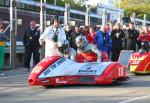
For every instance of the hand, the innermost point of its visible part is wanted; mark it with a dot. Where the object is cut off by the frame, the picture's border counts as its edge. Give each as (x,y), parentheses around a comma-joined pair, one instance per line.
(117,35)
(42,42)
(99,60)
(55,46)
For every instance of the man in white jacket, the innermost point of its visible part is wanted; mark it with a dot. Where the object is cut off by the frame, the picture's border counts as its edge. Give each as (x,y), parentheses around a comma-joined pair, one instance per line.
(52,36)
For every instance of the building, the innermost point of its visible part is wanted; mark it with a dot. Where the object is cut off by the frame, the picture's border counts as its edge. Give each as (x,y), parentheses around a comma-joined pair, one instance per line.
(109,6)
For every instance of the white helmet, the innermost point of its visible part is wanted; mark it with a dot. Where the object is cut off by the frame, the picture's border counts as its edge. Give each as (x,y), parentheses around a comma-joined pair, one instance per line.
(81,41)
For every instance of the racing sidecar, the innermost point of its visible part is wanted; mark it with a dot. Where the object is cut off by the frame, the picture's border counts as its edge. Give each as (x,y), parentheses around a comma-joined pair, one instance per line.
(56,70)
(139,63)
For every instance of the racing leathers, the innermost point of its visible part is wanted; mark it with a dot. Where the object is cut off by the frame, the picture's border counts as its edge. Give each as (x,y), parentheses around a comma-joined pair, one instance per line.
(70,53)
(88,53)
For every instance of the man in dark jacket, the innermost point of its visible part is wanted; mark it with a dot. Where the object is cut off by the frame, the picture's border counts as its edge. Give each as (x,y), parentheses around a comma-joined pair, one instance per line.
(74,35)
(131,37)
(117,35)
(68,32)
(31,44)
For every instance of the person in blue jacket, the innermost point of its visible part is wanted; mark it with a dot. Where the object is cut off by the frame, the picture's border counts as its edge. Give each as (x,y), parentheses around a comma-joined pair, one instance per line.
(103,40)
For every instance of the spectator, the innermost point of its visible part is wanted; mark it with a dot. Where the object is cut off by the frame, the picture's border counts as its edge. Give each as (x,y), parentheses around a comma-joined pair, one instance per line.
(148,30)
(1,26)
(1,46)
(31,44)
(2,36)
(103,40)
(131,37)
(51,36)
(74,35)
(117,35)
(86,33)
(68,32)
(144,36)
(92,31)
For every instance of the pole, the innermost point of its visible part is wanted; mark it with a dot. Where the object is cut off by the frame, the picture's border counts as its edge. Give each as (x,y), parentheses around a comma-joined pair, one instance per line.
(44,10)
(13,32)
(144,20)
(119,20)
(42,26)
(67,14)
(87,15)
(119,4)
(55,2)
(133,17)
(104,17)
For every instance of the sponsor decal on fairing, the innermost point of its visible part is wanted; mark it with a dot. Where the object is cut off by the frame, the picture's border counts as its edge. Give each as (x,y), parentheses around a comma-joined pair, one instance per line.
(67,67)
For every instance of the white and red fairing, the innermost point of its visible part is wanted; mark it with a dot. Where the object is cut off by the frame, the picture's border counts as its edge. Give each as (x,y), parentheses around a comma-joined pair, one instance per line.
(58,70)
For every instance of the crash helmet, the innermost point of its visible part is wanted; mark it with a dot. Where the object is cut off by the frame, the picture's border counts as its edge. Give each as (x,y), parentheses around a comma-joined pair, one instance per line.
(81,41)
(145,46)
(63,46)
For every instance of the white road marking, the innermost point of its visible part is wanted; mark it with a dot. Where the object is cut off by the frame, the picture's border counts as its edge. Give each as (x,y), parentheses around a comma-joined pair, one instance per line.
(14,76)
(135,99)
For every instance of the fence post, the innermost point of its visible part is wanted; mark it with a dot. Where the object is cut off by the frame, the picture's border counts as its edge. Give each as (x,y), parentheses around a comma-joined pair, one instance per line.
(13,32)
(133,17)
(42,23)
(119,20)
(104,17)
(144,20)
(67,14)
(87,15)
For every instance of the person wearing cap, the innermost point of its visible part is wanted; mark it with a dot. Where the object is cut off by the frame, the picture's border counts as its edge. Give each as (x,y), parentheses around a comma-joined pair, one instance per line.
(31,44)
(51,36)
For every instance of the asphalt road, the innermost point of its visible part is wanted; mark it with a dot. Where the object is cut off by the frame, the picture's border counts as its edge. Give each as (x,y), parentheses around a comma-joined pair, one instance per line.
(14,89)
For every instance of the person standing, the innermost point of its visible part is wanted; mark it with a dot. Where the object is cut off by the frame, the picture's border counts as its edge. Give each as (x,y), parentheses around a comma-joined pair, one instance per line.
(131,37)
(103,40)
(31,44)
(51,36)
(117,44)
(92,31)
(68,32)
(86,33)
(76,33)
(2,46)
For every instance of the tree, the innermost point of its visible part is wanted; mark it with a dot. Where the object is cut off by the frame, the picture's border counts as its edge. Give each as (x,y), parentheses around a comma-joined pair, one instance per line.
(140,7)
(73,3)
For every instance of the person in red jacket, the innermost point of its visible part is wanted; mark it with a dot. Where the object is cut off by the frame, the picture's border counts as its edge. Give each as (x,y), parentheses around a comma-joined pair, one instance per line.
(144,36)
(92,31)
(86,33)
